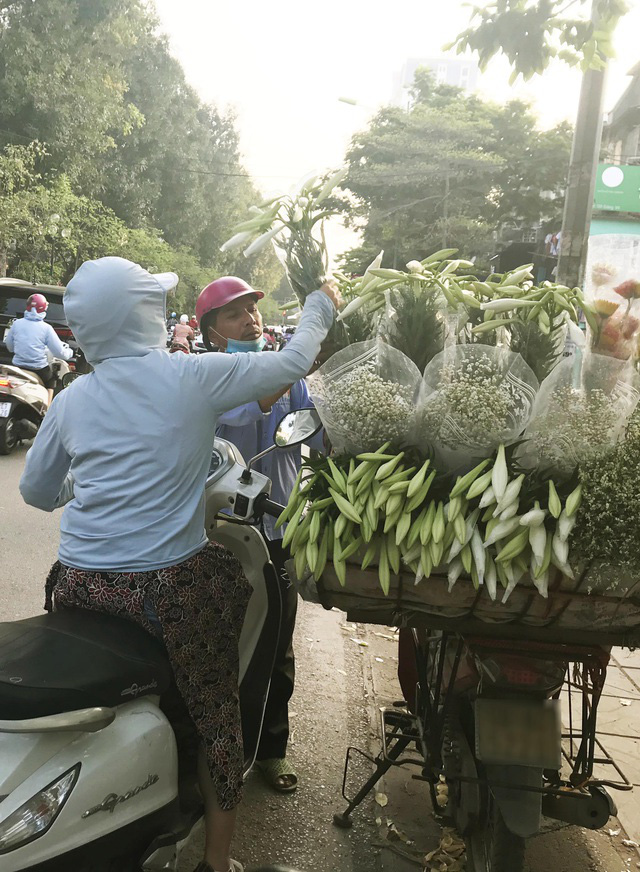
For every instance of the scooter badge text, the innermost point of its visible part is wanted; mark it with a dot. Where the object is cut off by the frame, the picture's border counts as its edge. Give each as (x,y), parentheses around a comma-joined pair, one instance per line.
(136,689)
(110,802)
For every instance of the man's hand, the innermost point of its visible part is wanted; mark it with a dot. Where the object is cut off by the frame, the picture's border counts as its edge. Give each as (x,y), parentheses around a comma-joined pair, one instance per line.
(330,289)
(266,403)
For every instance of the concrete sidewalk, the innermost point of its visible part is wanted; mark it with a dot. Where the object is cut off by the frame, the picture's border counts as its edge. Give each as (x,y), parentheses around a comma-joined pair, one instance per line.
(619,732)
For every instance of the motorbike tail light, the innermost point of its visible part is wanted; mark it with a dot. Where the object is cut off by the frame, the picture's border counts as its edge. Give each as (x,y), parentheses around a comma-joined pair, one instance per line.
(515,672)
(4,382)
(36,816)
(64,332)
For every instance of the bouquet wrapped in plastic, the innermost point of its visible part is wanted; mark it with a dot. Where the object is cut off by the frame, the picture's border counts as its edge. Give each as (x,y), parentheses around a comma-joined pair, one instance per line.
(580,412)
(473,398)
(613,289)
(365,395)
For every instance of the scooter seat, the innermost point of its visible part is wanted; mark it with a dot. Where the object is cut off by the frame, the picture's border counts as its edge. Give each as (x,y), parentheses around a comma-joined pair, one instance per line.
(76,659)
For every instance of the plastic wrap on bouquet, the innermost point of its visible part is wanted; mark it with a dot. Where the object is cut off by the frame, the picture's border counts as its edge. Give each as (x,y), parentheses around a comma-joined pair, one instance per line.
(473,398)
(365,395)
(613,289)
(580,412)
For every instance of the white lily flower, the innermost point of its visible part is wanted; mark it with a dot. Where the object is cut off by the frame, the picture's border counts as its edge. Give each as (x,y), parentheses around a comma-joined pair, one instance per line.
(332,182)
(236,241)
(262,241)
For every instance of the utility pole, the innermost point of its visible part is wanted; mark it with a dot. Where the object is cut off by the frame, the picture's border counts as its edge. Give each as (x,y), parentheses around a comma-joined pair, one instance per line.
(585,152)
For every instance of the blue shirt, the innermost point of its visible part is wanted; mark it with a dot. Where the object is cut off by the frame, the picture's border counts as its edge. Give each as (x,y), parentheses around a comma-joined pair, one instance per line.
(251,430)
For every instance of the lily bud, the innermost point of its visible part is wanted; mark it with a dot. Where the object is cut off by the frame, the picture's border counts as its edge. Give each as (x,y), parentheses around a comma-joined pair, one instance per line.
(262,241)
(235,241)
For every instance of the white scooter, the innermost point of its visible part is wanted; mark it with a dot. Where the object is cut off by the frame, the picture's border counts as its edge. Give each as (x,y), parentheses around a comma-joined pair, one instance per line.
(89,775)
(23,402)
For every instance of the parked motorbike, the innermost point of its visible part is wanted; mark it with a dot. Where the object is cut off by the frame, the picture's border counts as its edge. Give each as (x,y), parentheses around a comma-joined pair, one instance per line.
(90,777)
(23,402)
(482,721)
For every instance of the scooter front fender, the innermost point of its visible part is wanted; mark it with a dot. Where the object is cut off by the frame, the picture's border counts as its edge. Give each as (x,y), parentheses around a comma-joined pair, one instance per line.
(520,809)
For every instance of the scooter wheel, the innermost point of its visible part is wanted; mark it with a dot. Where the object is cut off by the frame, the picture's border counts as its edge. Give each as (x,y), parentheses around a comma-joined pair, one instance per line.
(8,435)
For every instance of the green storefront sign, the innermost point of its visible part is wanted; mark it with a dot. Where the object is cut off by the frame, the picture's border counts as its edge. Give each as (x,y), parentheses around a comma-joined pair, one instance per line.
(617,188)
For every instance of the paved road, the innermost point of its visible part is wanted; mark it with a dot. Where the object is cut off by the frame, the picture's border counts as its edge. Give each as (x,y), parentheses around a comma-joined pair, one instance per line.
(28,544)
(341,682)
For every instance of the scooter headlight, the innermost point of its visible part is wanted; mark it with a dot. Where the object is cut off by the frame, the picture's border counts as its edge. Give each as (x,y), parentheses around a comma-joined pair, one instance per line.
(36,815)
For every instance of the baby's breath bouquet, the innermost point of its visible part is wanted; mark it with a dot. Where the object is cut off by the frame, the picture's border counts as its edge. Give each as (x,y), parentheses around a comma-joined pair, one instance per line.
(580,413)
(608,523)
(365,395)
(473,398)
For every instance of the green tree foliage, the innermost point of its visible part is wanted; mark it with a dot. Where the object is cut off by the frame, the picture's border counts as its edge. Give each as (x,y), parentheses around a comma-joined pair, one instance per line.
(533,32)
(132,160)
(449,172)
(62,78)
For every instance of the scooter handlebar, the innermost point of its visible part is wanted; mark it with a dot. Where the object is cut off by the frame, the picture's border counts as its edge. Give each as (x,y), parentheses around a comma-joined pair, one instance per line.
(266,506)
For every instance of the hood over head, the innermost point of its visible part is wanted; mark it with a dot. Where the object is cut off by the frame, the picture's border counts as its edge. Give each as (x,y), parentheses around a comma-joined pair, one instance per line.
(115,308)
(32,315)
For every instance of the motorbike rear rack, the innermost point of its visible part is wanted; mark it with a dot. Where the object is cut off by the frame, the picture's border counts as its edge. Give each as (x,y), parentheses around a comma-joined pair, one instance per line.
(402,730)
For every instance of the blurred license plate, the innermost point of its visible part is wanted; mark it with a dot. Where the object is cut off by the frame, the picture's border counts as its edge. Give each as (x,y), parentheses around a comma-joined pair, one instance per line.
(5,409)
(513,732)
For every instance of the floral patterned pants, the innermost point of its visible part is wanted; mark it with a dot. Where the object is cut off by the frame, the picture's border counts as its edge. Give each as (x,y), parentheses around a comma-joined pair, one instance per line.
(197,607)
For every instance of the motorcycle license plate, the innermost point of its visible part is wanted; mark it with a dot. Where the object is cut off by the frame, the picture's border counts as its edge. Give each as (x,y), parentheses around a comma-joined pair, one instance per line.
(5,410)
(518,733)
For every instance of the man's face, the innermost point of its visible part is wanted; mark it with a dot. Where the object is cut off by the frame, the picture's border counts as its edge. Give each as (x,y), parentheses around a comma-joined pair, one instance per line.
(239,319)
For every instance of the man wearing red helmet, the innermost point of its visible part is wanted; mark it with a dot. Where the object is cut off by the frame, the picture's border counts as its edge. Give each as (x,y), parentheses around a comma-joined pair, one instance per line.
(230,320)
(29,338)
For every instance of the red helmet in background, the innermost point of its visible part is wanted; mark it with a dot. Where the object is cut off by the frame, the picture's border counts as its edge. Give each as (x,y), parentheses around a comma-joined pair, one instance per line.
(37,302)
(222,291)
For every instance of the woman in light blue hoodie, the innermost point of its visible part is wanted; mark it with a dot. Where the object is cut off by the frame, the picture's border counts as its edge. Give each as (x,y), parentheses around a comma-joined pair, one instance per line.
(132,537)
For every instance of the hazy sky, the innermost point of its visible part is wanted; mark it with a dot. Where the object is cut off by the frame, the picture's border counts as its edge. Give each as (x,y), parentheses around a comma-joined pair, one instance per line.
(282,64)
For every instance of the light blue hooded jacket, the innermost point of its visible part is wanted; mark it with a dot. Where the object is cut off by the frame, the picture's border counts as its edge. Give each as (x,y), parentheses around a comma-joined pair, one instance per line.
(136,434)
(29,338)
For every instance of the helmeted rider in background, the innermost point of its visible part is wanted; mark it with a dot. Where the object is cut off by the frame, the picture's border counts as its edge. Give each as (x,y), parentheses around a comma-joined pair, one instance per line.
(30,337)
(183,333)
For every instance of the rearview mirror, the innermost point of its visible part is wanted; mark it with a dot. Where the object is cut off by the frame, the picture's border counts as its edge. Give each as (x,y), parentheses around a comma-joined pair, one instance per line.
(297,427)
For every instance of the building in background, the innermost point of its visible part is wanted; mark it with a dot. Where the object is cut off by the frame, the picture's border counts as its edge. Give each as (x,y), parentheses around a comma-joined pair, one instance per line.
(459,72)
(614,239)
(621,134)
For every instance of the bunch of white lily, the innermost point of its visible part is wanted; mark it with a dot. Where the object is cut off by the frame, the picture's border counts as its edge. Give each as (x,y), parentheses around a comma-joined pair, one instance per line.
(289,221)
(379,506)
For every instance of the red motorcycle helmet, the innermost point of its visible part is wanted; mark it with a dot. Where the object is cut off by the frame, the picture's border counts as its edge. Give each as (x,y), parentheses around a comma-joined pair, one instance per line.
(37,302)
(222,291)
